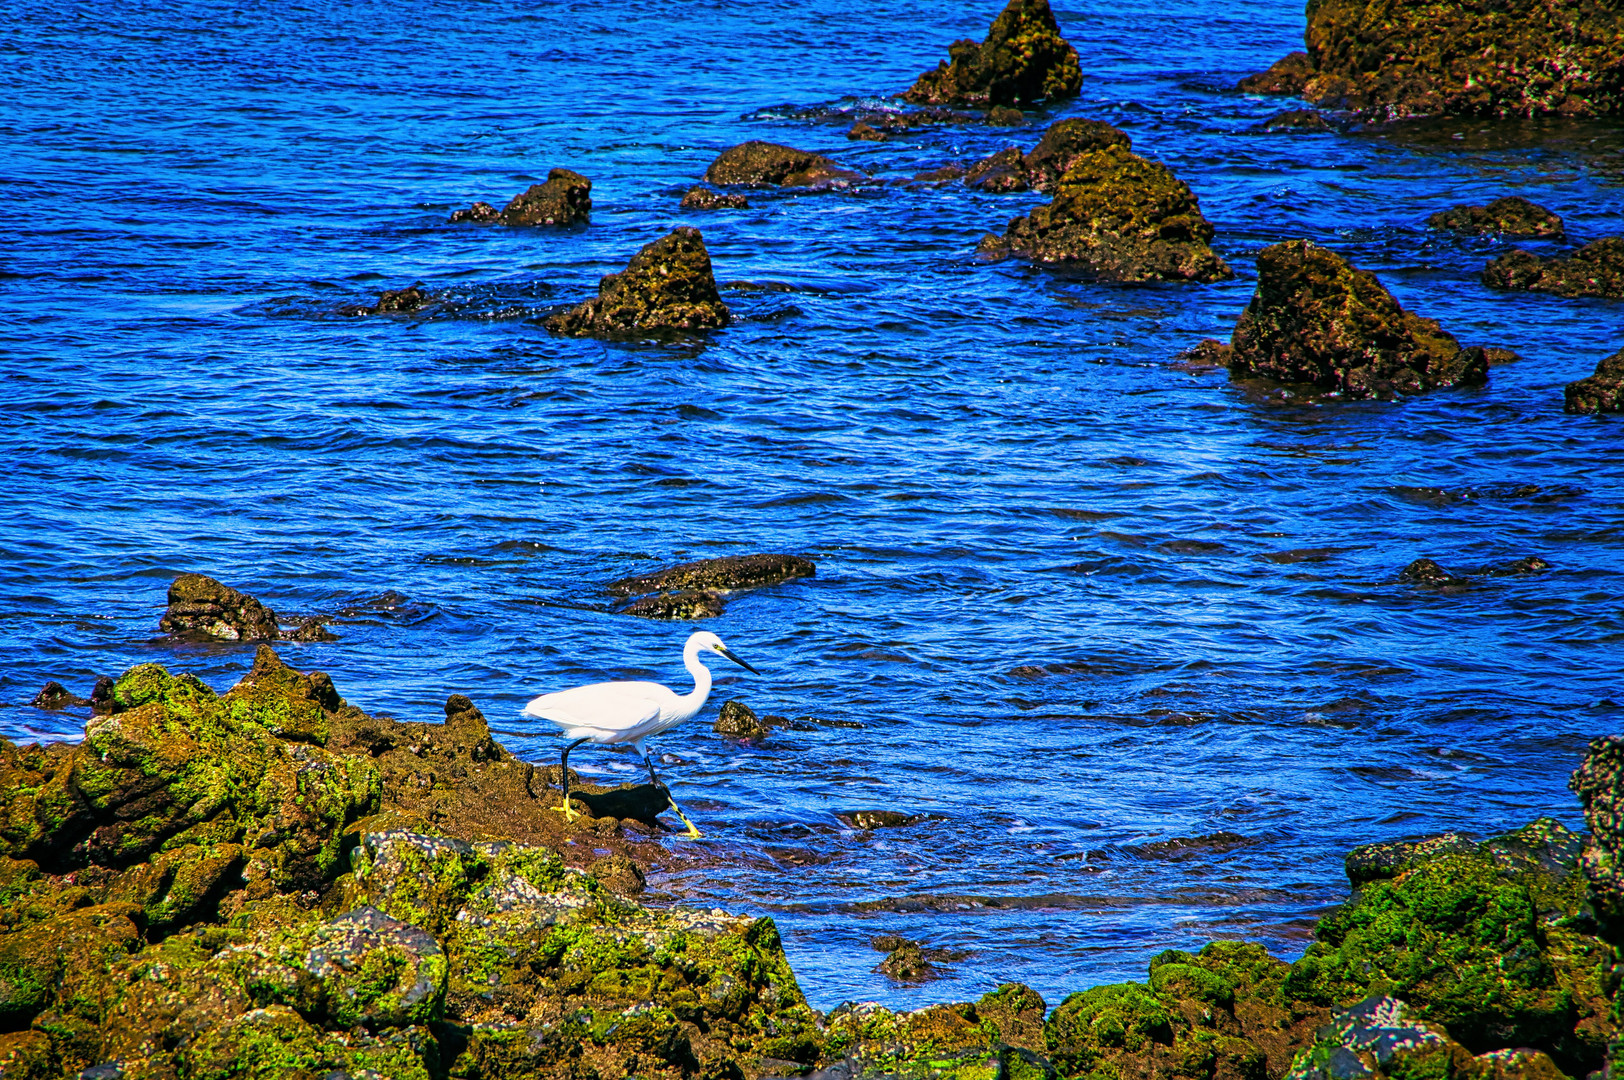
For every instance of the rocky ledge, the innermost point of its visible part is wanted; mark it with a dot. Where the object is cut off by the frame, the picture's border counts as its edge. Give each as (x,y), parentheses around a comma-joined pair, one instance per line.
(1317,320)
(271,883)
(1118,217)
(200,607)
(765,164)
(565,199)
(1602,392)
(1519,58)
(1512,215)
(1597,269)
(668,286)
(702,198)
(698,589)
(1024,59)
(1064,145)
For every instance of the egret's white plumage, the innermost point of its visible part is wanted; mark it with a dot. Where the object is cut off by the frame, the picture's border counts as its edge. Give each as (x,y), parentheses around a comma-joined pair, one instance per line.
(629,712)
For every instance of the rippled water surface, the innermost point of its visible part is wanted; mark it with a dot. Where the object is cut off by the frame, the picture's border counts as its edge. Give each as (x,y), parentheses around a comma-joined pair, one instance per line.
(1131,636)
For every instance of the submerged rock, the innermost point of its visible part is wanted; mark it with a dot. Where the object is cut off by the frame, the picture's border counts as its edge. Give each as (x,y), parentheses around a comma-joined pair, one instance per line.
(393,300)
(667,286)
(1597,269)
(877,819)
(726,574)
(1521,58)
(564,199)
(1602,392)
(1304,120)
(1024,59)
(55,697)
(738,721)
(1428,573)
(201,607)
(1065,144)
(863,131)
(1287,75)
(1512,215)
(701,198)
(765,164)
(681,604)
(1316,319)
(1118,217)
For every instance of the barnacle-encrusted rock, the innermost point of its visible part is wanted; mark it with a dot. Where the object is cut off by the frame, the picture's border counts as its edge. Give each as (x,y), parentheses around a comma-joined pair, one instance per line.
(1065,144)
(1428,573)
(1315,319)
(1597,269)
(565,199)
(737,720)
(1381,1039)
(480,213)
(1024,59)
(667,286)
(678,604)
(1601,392)
(1516,58)
(727,573)
(765,164)
(1118,217)
(200,607)
(1512,215)
(702,198)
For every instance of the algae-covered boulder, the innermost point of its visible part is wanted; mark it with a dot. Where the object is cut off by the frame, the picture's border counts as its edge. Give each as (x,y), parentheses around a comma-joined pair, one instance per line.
(1064,145)
(1602,392)
(1024,59)
(1000,1035)
(1381,1039)
(1118,217)
(1494,941)
(1316,319)
(1519,58)
(565,199)
(765,164)
(1597,269)
(668,286)
(1511,215)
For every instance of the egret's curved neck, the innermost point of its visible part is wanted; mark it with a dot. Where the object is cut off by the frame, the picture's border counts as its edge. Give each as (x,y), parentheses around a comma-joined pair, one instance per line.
(694,701)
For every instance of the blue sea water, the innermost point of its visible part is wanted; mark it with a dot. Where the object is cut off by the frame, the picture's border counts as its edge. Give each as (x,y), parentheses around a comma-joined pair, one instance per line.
(1130,635)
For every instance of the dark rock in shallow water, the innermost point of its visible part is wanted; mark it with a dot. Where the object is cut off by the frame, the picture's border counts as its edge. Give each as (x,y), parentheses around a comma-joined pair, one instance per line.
(1065,144)
(1428,573)
(1288,75)
(1602,392)
(1005,116)
(862,131)
(1510,216)
(667,286)
(738,721)
(393,300)
(55,697)
(1597,269)
(700,198)
(481,213)
(1118,217)
(1204,355)
(1024,59)
(878,819)
(1528,564)
(937,176)
(765,164)
(1315,319)
(726,573)
(1306,120)
(565,199)
(201,606)
(906,961)
(681,604)
(1519,58)
(1003,171)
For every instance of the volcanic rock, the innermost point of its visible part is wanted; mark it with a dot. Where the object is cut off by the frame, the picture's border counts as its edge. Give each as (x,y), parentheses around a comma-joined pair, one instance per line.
(877,819)
(1315,319)
(1003,171)
(1597,269)
(481,213)
(906,961)
(1428,573)
(201,606)
(1024,59)
(1519,58)
(1287,75)
(667,286)
(1118,217)
(1303,120)
(725,574)
(1005,116)
(1064,145)
(700,198)
(1601,392)
(55,697)
(1509,216)
(408,299)
(738,721)
(765,164)
(565,199)
(862,131)
(681,604)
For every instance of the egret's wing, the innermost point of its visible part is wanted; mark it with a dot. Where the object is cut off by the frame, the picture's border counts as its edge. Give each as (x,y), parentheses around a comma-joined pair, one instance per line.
(605,712)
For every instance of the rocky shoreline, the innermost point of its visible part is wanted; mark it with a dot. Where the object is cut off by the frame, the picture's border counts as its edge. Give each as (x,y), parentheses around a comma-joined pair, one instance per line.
(270,882)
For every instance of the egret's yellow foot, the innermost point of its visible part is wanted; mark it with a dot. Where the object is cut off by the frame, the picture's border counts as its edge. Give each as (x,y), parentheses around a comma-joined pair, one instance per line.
(567,810)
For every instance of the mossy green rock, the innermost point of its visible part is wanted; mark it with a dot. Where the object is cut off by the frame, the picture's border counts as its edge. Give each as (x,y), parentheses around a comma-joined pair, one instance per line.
(1315,319)
(1382,1039)
(1118,217)
(1024,59)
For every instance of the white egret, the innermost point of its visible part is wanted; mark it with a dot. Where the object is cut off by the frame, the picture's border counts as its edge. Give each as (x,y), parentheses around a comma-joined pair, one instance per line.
(629,712)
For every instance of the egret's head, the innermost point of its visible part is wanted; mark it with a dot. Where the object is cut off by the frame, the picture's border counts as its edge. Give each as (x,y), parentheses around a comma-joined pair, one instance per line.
(705,641)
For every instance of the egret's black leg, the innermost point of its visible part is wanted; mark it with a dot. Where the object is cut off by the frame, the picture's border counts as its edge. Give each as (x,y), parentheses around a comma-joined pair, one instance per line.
(654,776)
(564,775)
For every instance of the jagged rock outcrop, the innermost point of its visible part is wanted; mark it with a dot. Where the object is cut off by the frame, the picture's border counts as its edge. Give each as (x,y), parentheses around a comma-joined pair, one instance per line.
(765,164)
(1512,215)
(201,607)
(668,286)
(1597,269)
(1118,217)
(736,720)
(1602,392)
(1316,319)
(1064,145)
(1519,58)
(1382,1039)
(564,199)
(1023,59)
